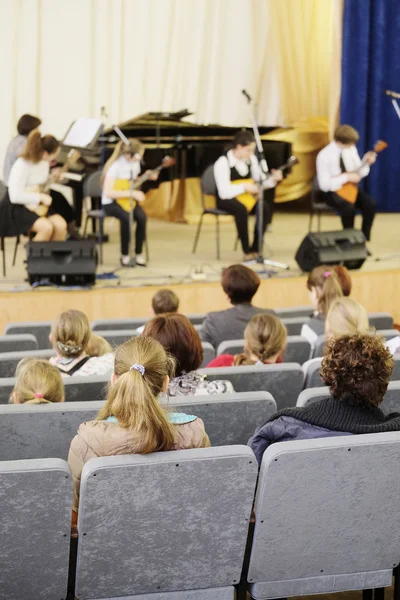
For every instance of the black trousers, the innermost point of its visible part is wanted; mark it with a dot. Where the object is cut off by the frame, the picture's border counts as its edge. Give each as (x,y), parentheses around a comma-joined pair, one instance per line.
(60,206)
(239,211)
(77,188)
(115,210)
(364,203)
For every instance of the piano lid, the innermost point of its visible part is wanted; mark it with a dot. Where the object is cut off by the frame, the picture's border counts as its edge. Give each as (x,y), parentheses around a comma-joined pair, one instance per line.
(157,119)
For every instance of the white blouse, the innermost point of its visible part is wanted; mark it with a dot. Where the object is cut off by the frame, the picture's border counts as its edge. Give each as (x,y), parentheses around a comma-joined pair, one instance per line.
(222,175)
(122,168)
(25,173)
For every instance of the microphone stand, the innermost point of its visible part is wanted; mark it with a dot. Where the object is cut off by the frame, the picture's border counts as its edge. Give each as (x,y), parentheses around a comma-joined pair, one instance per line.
(264,174)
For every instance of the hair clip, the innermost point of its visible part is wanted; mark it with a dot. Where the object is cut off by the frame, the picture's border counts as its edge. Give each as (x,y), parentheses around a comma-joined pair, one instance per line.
(327,273)
(137,367)
(39,395)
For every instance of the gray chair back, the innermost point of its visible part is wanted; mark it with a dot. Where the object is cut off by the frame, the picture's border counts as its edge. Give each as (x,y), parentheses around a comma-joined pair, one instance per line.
(9,360)
(310,535)
(380,320)
(208,353)
(40,329)
(294,324)
(283,381)
(311,395)
(207,182)
(390,404)
(19,341)
(46,431)
(191,501)
(35,523)
(298,348)
(117,324)
(297,311)
(312,367)
(388,334)
(92,185)
(116,337)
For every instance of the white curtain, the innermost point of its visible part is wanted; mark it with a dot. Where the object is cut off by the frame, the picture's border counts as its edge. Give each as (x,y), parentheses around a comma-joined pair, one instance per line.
(62,59)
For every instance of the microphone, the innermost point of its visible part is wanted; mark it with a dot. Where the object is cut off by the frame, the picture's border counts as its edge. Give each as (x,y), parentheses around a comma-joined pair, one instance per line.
(392,94)
(246,95)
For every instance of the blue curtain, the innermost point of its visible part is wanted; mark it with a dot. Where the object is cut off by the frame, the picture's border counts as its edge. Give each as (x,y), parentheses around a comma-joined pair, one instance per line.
(370,65)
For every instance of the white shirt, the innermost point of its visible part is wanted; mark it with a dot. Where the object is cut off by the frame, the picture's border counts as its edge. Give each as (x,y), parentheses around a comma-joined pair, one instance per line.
(25,173)
(329,173)
(122,168)
(222,175)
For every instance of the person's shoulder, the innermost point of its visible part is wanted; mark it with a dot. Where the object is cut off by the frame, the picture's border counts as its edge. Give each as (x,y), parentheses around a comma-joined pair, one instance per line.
(190,431)
(222,160)
(326,151)
(257,310)
(217,314)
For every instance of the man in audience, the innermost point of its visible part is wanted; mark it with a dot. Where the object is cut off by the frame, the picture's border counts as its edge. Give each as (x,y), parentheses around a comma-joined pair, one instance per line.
(357,368)
(240,285)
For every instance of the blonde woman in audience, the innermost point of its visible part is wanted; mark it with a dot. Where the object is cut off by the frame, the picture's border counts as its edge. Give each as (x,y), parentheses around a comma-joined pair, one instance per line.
(70,336)
(265,340)
(179,337)
(346,317)
(38,382)
(132,420)
(324,286)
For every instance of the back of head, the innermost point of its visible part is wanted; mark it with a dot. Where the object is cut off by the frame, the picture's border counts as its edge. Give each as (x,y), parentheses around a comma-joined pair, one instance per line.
(327,285)
(240,284)
(243,138)
(165,301)
(27,123)
(357,368)
(135,146)
(346,317)
(141,368)
(38,382)
(346,134)
(344,278)
(98,345)
(71,333)
(37,144)
(265,337)
(178,336)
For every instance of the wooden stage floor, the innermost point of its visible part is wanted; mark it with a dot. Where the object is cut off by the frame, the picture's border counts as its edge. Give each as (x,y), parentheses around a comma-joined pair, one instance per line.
(376,284)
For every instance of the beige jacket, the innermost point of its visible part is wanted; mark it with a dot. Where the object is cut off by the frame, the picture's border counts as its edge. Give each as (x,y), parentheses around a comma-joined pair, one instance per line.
(102,438)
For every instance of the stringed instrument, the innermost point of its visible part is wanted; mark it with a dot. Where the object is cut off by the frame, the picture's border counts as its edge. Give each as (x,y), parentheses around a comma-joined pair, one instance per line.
(248,199)
(124,185)
(41,209)
(349,191)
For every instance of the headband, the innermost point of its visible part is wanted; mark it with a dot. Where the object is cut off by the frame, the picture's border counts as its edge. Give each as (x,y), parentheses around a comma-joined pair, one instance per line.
(69,349)
(138,367)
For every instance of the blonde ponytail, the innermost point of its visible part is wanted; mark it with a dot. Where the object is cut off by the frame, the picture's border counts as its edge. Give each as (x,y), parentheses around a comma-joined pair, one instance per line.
(327,285)
(135,146)
(133,398)
(38,382)
(37,144)
(265,336)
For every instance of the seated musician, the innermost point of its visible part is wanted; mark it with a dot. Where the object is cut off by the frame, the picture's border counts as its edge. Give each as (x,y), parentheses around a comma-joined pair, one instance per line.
(124,166)
(26,208)
(339,163)
(239,163)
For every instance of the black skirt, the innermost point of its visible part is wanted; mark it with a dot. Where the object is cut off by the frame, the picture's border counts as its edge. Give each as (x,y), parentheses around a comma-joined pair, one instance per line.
(15,219)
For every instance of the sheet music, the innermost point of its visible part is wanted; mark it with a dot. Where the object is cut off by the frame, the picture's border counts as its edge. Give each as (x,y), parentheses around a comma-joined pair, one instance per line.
(82,132)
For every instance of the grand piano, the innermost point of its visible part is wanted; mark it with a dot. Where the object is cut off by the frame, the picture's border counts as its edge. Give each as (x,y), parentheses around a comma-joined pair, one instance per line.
(194,147)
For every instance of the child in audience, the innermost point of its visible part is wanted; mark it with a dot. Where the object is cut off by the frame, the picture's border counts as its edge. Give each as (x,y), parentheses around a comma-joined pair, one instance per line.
(344,278)
(98,346)
(346,317)
(357,369)
(179,337)
(163,301)
(70,336)
(240,284)
(38,382)
(264,343)
(324,286)
(132,421)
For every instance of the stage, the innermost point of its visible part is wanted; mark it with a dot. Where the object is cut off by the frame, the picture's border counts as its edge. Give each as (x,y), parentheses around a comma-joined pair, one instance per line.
(376,284)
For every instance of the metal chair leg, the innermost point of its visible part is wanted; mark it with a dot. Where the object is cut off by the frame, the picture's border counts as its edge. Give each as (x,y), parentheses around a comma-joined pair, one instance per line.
(310,220)
(217,232)
(85,226)
(146,249)
(3,249)
(319,221)
(17,241)
(101,231)
(236,243)
(196,237)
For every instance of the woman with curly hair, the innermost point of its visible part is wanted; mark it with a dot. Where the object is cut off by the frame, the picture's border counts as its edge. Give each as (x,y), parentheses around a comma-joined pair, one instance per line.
(357,369)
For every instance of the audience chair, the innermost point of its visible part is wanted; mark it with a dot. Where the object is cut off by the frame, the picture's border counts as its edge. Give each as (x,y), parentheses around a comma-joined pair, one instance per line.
(40,329)
(380,320)
(318,350)
(312,367)
(208,353)
(298,348)
(19,341)
(9,360)
(297,311)
(283,381)
(294,324)
(310,536)
(209,188)
(117,324)
(35,523)
(93,189)
(181,523)
(116,337)
(317,205)
(312,395)
(46,431)
(3,190)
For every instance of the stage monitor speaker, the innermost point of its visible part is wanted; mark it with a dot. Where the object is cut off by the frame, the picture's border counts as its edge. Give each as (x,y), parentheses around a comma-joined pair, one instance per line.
(62,263)
(346,247)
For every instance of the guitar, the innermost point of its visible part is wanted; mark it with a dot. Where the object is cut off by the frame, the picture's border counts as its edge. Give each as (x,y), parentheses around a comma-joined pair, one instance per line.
(349,191)
(41,209)
(124,185)
(249,200)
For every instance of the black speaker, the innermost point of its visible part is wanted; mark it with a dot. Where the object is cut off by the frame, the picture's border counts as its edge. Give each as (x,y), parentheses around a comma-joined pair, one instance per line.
(62,263)
(346,247)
